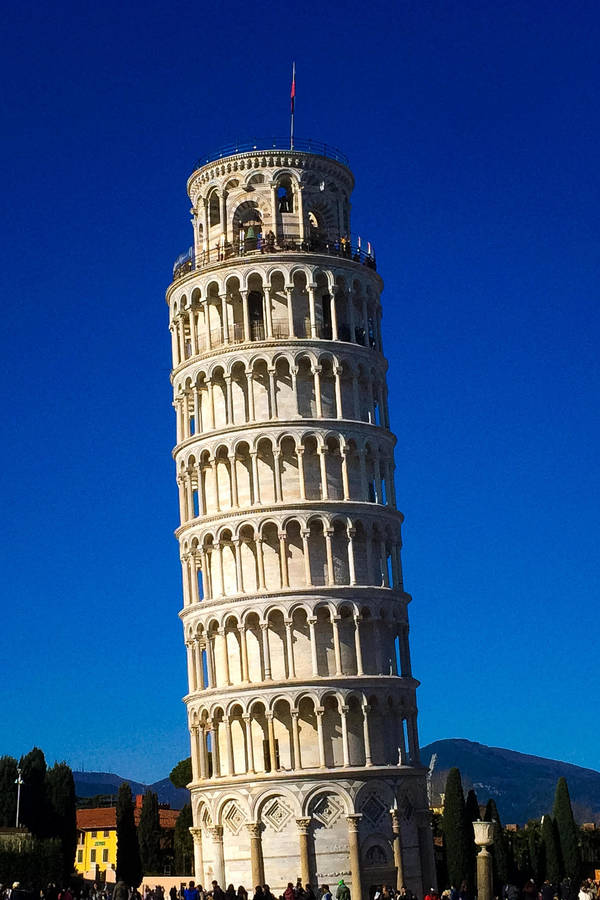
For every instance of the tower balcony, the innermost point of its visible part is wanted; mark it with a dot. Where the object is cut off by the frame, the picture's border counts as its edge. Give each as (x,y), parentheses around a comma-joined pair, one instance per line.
(256,245)
(279,144)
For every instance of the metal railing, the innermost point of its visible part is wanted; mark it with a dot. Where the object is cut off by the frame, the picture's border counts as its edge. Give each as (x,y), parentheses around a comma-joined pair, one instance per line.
(281,144)
(338,246)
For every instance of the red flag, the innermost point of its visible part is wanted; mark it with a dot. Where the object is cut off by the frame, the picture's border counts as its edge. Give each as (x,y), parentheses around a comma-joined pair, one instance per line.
(293,91)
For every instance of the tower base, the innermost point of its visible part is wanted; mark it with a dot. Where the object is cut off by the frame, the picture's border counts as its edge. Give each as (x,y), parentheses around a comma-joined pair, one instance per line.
(369,827)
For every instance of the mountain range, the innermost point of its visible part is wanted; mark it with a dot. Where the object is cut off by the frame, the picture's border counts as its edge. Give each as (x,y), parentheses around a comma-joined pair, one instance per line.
(522,785)
(93,784)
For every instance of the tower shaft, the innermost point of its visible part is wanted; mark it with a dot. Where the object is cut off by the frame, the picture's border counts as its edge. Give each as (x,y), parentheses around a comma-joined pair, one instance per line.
(301,702)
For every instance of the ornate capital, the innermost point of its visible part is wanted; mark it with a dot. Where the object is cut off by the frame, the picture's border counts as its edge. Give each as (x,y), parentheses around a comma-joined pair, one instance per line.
(353,821)
(254,830)
(216,833)
(196,834)
(303,825)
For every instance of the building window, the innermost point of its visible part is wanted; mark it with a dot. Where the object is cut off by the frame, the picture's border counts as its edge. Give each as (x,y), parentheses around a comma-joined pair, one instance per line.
(80,856)
(94,834)
(92,856)
(105,833)
(105,856)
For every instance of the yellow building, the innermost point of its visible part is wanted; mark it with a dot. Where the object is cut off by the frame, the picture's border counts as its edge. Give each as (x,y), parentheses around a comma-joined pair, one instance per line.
(97,838)
(96,841)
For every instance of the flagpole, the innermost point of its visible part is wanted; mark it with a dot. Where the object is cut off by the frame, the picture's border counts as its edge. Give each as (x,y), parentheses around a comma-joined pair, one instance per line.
(293,100)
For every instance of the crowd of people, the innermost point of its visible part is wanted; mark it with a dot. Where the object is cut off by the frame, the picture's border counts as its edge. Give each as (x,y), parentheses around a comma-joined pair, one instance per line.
(565,890)
(588,890)
(296,891)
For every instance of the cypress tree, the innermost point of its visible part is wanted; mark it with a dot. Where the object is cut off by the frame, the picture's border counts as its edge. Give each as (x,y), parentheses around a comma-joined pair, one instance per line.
(551,856)
(183,841)
(472,814)
(60,790)
(129,867)
(456,831)
(567,831)
(533,845)
(34,803)
(149,835)
(499,849)
(8,791)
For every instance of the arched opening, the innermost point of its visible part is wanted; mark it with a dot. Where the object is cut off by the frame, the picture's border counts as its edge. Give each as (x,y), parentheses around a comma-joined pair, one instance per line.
(305,388)
(317,553)
(248,560)
(214,210)
(255,650)
(301,643)
(328,401)
(339,542)
(347,635)
(356,742)
(324,642)
(307,724)
(312,469)
(295,553)
(285,194)
(332,732)
(282,727)
(277,646)
(270,551)
(266,471)
(286,398)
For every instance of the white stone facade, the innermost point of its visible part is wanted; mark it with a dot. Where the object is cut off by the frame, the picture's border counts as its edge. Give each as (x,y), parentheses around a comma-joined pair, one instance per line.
(301,704)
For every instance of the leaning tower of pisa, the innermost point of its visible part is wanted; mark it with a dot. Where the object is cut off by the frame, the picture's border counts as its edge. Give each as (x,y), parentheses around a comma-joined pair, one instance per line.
(301,703)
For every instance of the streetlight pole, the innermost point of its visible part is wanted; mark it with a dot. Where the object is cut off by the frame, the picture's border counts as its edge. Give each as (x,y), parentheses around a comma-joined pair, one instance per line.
(18,782)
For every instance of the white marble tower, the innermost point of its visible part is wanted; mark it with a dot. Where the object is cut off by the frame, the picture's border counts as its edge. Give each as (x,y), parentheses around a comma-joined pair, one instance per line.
(301,703)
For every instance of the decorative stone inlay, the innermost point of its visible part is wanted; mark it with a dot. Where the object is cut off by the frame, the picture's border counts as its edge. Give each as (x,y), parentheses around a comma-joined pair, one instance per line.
(376,856)
(276,814)
(233,818)
(327,810)
(406,808)
(374,809)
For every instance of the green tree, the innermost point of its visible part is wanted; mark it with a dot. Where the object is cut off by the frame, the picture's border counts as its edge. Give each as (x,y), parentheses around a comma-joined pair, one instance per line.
(8,791)
(472,813)
(533,832)
(551,852)
(456,830)
(60,792)
(181,774)
(499,848)
(129,867)
(183,841)
(568,836)
(149,834)
(34,803)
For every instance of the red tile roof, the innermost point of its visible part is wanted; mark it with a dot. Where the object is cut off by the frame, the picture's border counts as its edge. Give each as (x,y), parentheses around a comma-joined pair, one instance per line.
(105,818)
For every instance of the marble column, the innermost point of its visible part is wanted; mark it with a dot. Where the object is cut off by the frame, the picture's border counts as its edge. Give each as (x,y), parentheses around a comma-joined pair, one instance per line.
(198,858)
(397,846)
(303,828)
(256,855)
(216,833)
(354,848)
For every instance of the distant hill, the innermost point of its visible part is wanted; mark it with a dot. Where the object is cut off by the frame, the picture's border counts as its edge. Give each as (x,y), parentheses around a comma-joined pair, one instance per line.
(91,784)
(522,786)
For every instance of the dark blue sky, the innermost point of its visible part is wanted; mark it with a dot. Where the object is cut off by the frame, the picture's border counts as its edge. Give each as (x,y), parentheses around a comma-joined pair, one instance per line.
(472,130)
